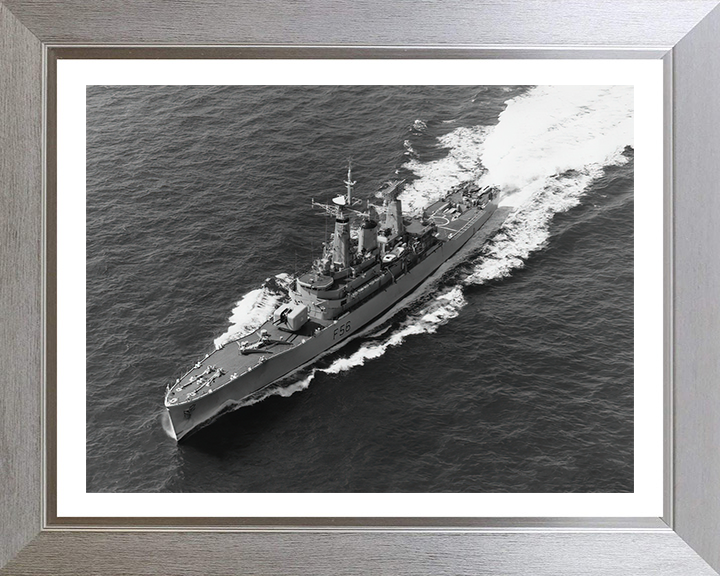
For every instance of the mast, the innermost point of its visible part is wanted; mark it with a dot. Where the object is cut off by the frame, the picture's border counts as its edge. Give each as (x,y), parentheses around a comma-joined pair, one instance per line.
(339,255)
(349,183)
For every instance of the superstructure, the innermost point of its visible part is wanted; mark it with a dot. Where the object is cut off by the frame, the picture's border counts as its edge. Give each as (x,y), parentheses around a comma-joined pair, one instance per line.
(357,279)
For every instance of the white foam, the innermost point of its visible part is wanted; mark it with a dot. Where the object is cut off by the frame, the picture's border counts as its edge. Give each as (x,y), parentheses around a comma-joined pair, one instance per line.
(528,228)
(552,129)
(419,125)
(409,150)
(435,178)
(167,425)
(284,391)
(549,145)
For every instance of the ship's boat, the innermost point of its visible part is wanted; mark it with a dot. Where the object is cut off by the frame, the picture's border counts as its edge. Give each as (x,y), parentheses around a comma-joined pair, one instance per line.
(353,283)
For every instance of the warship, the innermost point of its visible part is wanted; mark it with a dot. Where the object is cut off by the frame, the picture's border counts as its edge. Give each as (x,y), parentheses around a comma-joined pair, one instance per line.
(362,274)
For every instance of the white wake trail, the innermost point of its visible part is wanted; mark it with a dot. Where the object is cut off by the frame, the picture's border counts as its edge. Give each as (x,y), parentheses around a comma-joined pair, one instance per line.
(553,129)
(548,147)
(433,315)
(435,178)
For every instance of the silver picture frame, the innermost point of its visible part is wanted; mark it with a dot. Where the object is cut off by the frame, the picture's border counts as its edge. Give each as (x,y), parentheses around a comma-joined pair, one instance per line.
(685,34)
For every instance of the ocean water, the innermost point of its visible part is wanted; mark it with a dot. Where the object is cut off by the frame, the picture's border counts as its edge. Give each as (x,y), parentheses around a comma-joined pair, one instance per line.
(512,373)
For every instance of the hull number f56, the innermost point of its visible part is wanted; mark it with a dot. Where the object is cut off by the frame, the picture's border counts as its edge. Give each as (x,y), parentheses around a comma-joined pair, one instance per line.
(342,330)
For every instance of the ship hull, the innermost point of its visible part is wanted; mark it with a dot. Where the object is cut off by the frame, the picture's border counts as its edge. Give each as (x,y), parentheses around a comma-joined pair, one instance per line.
(189,416)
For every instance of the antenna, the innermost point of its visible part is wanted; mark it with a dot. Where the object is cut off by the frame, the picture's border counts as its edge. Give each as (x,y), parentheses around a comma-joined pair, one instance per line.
(349,183)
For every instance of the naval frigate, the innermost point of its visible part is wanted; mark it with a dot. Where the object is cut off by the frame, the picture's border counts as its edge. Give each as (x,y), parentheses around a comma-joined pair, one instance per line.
(358,278)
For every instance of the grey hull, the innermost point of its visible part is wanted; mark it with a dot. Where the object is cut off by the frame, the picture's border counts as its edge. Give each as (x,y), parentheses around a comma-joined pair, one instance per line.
(194,413)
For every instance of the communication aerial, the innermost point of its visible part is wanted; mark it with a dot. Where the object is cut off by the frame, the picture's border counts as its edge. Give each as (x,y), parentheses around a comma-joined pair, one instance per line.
(345,202)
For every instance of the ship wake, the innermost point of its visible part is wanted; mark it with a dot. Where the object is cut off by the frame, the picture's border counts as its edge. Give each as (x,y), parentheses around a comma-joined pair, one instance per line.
(549,146)
(461,164)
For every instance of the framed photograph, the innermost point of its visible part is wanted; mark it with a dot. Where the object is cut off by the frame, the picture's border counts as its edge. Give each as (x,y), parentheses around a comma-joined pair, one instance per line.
(474,181)
(253,339)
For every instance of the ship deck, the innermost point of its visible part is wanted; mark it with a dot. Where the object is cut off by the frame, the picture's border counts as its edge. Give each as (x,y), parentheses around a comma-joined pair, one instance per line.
(223,365)
(449,217)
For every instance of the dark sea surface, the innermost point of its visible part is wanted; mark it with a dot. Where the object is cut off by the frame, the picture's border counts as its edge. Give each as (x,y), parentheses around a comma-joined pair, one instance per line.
(513,373)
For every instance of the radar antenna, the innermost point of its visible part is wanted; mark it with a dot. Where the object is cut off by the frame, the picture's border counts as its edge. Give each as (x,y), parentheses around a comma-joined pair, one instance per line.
(341,202)
(392,189)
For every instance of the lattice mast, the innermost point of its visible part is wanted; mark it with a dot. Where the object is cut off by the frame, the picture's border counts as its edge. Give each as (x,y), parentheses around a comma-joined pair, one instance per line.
(340,209)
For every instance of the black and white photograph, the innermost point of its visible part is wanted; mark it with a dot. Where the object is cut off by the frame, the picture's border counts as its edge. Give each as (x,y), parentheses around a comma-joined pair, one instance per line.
(360,288)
